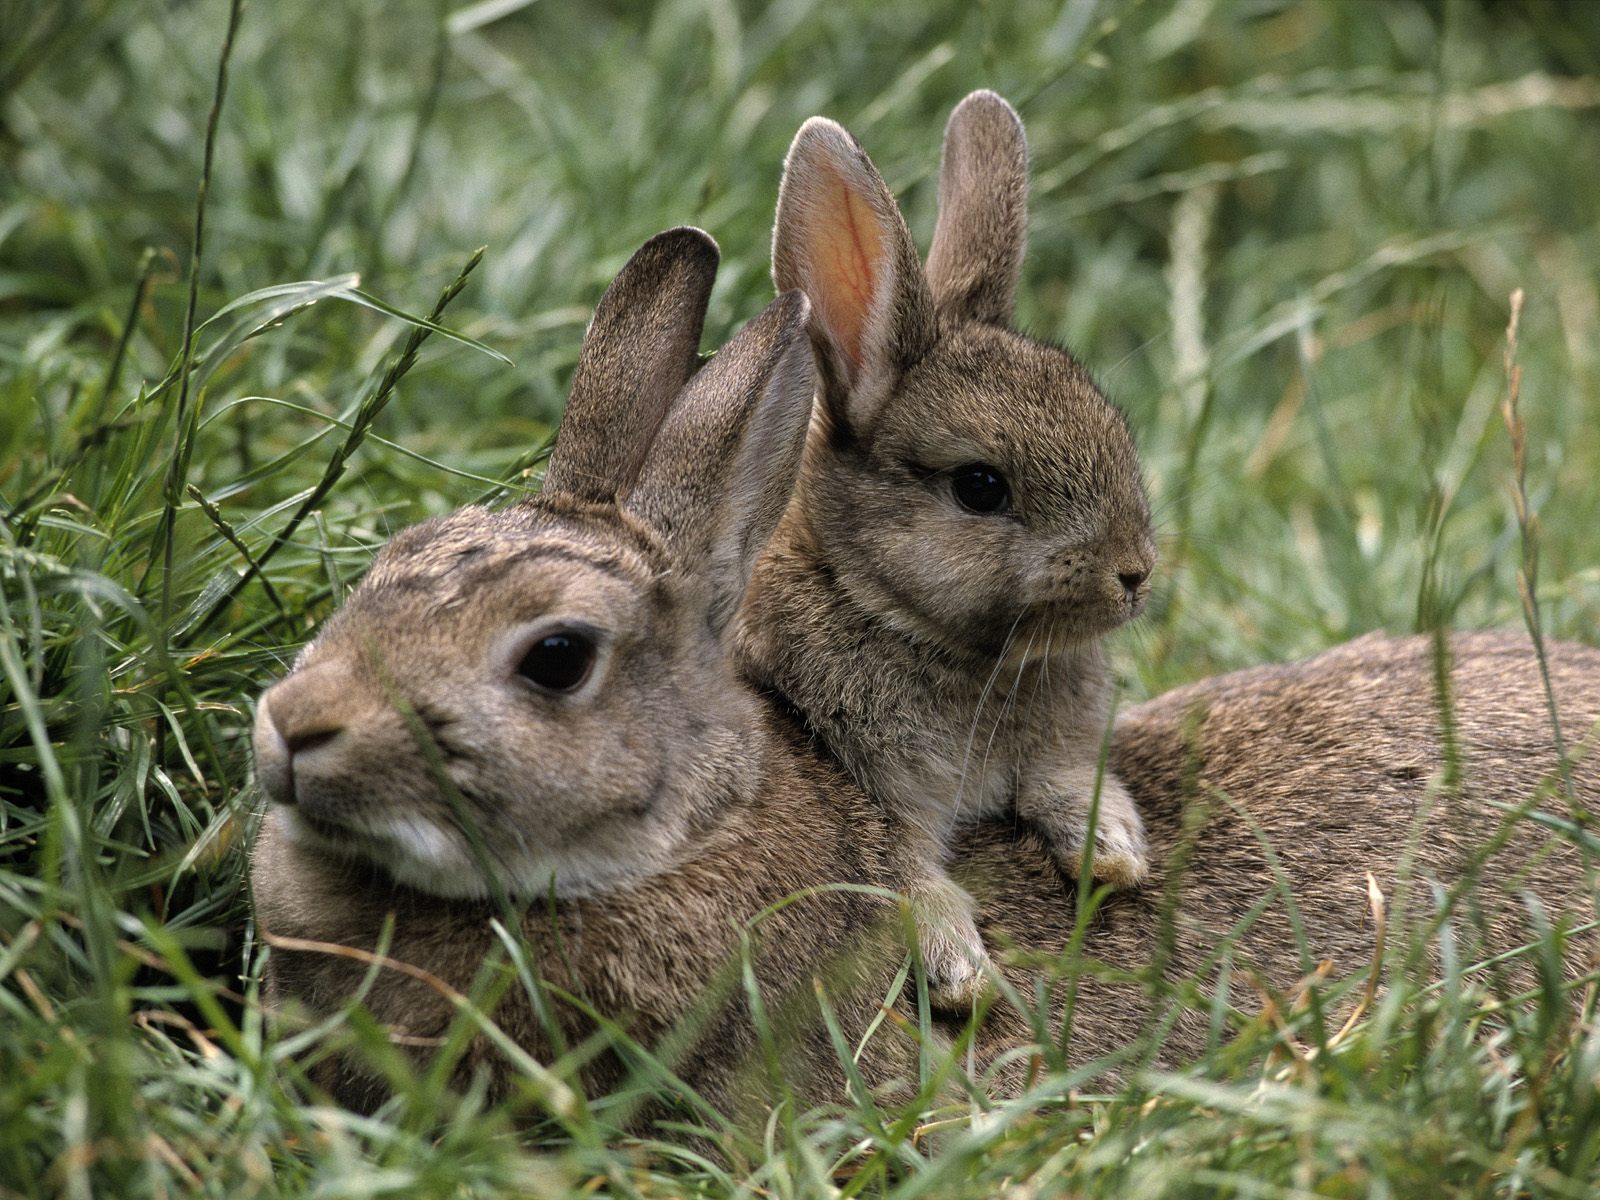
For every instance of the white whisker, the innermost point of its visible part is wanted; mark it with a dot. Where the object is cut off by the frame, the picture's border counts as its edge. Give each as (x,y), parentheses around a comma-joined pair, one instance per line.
(977,715)
(1011,695)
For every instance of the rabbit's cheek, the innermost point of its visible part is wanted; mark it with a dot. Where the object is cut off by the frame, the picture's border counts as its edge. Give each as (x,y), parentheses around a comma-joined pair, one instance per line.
(953,573)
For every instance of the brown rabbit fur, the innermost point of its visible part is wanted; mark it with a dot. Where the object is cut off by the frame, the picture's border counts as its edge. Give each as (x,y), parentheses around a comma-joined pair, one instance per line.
(946,651)
(539,702)
(1336,764)
(1329,760)
(649,957)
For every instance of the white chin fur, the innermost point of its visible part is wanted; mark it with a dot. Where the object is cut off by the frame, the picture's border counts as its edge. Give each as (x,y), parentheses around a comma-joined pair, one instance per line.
(410,850)
(421,855)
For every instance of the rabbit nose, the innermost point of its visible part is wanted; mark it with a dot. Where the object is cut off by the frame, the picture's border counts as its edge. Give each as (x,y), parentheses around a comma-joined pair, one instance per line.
(274,769)
(307,709)
(297,716)
(1132,581)
(307,739)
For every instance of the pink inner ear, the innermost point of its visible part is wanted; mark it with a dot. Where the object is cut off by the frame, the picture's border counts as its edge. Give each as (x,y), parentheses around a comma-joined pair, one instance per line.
(848,257)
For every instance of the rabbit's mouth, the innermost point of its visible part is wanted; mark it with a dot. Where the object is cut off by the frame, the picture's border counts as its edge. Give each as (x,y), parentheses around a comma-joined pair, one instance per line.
(334,837)
(1067,621)
(1062,627)
(410,850)
(321,828)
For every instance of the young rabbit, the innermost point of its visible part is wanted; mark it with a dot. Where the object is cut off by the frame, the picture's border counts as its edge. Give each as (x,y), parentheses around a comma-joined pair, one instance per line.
(538,703)
(970,521)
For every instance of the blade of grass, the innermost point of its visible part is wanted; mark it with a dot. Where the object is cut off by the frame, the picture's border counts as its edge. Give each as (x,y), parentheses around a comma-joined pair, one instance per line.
(366,412)
(184,438)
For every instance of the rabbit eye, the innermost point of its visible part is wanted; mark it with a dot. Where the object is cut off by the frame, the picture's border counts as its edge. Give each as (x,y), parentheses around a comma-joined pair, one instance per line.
(558,662)
(979,488)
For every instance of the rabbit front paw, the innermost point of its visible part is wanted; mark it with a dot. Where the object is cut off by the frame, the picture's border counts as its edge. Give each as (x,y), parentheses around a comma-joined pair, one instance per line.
(1121,857)
(953,954)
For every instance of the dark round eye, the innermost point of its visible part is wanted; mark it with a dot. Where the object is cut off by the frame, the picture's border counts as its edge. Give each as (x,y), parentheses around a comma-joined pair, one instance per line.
(980,488)
(558,662)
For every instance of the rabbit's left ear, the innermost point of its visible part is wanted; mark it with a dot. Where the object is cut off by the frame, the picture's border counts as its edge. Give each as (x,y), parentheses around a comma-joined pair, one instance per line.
(976,257)
(721,471)
(635,357)
(839,238)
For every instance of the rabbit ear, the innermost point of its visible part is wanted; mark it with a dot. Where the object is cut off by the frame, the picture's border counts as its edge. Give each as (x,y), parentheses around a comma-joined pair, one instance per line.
(636,355)
(976,257)
(724,464)
(839,238)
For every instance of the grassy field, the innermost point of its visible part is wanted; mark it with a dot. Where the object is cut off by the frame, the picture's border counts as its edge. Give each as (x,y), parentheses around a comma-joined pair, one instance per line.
(1285,235)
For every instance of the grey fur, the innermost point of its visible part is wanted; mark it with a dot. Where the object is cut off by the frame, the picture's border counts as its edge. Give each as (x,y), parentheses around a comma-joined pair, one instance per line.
(1331,762)
(975,258)
(950,660)
(639,348)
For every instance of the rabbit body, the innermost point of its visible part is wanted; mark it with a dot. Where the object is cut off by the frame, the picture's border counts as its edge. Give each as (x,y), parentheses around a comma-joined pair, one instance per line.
(1328,761)
(1335,763)
(969,523)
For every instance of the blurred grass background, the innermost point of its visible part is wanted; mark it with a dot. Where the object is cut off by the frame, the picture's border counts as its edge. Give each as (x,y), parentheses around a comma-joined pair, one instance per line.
(1283,234)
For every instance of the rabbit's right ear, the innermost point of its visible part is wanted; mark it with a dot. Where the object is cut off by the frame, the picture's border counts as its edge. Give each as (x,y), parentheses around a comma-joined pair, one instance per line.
(638,351)
(725,462)
(976,257)
(839,238)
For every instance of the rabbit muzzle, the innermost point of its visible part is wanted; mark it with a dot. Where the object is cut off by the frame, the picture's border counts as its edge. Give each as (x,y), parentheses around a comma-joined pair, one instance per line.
(1088,595)
(300,722)
(340,778)
(325,750)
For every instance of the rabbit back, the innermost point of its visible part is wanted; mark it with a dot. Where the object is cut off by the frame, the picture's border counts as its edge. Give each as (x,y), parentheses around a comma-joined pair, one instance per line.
(1303,778)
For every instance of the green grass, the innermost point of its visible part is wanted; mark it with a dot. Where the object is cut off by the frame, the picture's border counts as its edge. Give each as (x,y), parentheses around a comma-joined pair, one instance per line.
(1285,235)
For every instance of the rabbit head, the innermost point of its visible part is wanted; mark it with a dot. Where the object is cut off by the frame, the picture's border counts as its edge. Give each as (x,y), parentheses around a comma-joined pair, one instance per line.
(537,699)
(969,481)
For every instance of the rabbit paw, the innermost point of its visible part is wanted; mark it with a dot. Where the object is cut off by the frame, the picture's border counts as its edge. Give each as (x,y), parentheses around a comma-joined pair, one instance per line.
(952,949)
(1061,813)
(1121,857)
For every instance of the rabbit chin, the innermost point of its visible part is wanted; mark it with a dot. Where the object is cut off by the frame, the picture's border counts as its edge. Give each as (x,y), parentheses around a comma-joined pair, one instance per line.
(1062,624)
(420,854)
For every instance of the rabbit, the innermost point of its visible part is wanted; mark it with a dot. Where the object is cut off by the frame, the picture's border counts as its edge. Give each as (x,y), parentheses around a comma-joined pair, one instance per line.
(646,537)
(537,707)
(970,522)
